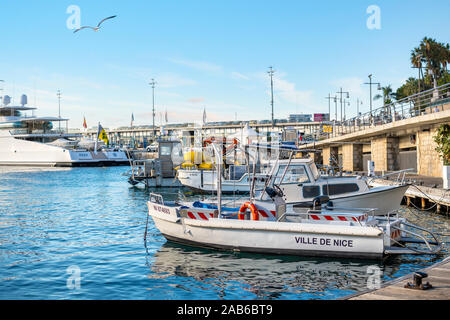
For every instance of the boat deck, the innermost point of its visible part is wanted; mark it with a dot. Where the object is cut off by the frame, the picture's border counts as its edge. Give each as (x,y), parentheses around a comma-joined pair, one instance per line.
(438,277)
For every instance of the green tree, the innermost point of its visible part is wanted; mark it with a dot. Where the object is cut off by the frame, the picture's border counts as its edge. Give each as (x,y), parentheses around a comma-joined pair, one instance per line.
(388,95)
(435,56)
(442,140)
(416,61)
(410,87)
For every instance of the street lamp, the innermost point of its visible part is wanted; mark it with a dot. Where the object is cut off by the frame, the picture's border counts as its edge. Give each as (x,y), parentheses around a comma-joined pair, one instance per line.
(153,83)
(348,97)
(358,103)
(335,108)
(1,89)
(329,106)
(58,94)
(271,72)
(370,86)
(346,103)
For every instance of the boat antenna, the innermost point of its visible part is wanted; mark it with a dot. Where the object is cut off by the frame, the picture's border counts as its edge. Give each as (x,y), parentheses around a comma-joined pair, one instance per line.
(219,178)
(285,169)
(253,182)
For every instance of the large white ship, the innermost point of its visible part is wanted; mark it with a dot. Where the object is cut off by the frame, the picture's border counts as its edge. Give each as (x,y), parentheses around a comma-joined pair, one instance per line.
(28,140)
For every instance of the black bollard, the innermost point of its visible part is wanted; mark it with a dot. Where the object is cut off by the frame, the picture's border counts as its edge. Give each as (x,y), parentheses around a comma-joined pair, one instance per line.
(417,282)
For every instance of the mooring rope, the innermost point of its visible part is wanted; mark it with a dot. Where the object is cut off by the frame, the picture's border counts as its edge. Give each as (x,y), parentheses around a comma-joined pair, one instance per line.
(428,197)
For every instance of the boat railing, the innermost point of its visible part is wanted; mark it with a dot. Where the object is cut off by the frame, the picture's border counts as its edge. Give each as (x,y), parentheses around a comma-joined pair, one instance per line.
(401,174)
(156,198)
(23,131)
(423,238)
(355,215)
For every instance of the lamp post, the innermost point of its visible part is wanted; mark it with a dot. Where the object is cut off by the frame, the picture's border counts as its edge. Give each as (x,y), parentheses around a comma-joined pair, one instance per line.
(271,72)
(335,108)
(346,103)
(329,106)
(1,89)
(58,94)
(153,83)
(348,96)
(370,83)
(358,103)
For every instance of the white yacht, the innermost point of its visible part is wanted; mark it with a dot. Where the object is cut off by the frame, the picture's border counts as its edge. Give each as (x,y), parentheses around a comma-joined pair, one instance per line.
(28,140)
(300,183)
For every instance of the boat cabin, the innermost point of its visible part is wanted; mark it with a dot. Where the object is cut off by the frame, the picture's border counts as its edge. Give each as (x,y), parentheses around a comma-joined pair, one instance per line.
(32,128)
(301,181)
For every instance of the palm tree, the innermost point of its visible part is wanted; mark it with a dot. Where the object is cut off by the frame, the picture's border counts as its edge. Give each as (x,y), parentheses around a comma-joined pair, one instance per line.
(408,89)
(388,96)
(417,60)
(435,55)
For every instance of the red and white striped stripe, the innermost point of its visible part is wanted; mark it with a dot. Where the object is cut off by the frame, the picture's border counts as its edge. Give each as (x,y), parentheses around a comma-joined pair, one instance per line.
(395,234)
(266,213)
(200,215)
(206,215)
(362,217)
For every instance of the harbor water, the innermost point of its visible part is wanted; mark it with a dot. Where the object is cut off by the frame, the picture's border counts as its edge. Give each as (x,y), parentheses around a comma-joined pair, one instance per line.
(78,233)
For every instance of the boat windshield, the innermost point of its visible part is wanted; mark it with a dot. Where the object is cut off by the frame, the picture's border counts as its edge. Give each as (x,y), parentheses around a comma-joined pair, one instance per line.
(314,171)
(294,174)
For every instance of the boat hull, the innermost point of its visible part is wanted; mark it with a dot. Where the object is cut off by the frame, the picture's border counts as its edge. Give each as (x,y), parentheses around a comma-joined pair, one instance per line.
(155,183)
(383,199)
(17,152)
(282,238)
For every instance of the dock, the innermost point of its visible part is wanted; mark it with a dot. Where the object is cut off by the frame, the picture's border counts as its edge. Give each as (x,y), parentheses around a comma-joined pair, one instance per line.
(424,194)
(438,277)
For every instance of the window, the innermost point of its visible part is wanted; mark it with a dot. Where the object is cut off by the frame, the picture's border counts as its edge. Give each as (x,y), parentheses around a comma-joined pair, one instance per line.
(314,171)
(294,174)
(311,191)
(165,150)
(340,188)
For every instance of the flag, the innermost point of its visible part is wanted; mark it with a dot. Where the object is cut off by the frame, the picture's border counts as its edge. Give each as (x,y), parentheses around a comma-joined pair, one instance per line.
(101,134)
(132,119)
(328,129)
(204,116)
(84,123)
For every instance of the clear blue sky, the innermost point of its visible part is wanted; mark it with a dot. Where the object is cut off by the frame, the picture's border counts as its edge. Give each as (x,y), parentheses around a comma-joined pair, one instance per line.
(207,54)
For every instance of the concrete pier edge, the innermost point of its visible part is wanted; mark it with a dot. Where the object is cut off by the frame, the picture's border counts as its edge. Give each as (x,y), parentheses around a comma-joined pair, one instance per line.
(408,276)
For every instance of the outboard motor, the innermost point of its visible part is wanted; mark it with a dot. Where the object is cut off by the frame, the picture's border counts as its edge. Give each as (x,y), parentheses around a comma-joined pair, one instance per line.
(276,194)
(272,193)
(319,201)
(315,204)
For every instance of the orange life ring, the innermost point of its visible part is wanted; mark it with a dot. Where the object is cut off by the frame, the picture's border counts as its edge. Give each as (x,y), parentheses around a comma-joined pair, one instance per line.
(244,208)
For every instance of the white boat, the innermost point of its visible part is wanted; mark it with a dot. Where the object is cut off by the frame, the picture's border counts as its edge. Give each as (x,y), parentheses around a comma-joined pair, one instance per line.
(33,141)
(315,232)
(300,182)
(236,179)
(158,171)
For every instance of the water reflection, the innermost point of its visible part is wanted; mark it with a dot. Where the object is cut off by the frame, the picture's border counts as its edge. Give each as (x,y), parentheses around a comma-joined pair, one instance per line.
(261,276)
(17,169)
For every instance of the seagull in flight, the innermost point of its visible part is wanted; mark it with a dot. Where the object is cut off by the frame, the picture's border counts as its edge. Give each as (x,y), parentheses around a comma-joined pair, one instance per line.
(94,28)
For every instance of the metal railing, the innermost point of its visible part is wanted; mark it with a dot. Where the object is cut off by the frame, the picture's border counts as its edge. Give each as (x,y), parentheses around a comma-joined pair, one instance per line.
(26,131)
(425,102)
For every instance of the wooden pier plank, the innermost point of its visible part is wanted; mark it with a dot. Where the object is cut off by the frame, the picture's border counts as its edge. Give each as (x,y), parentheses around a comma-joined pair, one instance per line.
(424,193)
